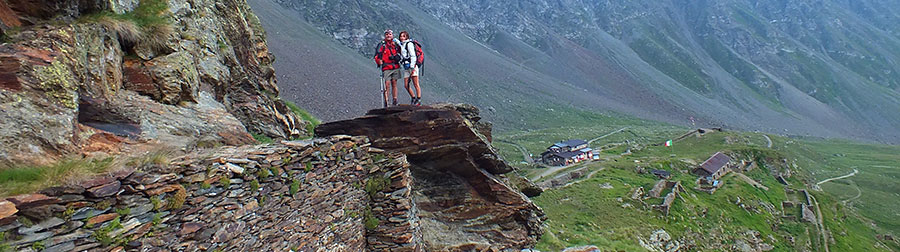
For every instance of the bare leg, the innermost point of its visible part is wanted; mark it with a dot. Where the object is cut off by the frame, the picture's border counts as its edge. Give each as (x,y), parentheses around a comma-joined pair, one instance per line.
(394,88)
(384,92)
(408,89)
(415,80)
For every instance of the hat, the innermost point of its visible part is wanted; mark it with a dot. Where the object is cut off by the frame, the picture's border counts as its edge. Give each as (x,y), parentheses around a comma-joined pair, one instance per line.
(389,31)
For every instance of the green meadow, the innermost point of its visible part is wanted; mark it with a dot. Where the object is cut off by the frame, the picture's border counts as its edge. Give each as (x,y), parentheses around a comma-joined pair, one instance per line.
(587,211)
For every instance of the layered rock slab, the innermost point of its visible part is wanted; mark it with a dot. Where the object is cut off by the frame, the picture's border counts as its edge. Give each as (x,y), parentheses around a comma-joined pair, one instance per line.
(460,200)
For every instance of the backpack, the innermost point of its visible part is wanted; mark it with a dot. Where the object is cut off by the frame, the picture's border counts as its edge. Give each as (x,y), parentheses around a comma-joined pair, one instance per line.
(420,56)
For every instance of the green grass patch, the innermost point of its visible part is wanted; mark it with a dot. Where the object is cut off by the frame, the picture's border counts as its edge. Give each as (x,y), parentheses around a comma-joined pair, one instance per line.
(583,213)
(305,115)
(25,179)
(262,138)
(148,23)
(376,184)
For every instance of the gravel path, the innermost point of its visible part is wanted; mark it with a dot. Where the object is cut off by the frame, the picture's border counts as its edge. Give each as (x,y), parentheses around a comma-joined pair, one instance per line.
(525,155)
(839,177)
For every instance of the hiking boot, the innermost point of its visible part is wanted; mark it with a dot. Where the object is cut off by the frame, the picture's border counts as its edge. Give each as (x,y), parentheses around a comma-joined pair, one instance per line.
(395,102)
(412,101)
(418,101)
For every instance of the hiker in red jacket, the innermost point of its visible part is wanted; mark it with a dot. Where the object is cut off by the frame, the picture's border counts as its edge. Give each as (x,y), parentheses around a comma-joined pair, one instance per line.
(387,56)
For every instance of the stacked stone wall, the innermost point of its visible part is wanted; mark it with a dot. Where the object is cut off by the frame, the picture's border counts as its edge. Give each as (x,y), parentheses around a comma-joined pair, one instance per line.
(309,195)
(394,208)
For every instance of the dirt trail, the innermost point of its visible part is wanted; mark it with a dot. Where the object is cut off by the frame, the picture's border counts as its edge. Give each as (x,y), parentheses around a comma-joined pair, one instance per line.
(819,223)
(604,136)
(839,177)
(552,170)
(768,141)
(858,193)
(525,155)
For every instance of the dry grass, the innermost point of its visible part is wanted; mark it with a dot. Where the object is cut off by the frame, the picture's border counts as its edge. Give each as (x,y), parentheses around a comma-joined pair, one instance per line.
(126,30)
(27,179)
(153,158)
(149,24)
(31,178)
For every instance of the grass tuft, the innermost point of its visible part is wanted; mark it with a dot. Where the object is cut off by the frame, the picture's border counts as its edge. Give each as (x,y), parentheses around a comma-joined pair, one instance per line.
(305,115)
(377,184)
(26,179)
(262,138)
(155,158)
(254,185)
(295,187)
(225,182)
(371,222)
(148,23)
(177,201)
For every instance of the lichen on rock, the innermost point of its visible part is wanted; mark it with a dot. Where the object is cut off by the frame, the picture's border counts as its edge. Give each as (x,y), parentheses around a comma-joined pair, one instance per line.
(57,82)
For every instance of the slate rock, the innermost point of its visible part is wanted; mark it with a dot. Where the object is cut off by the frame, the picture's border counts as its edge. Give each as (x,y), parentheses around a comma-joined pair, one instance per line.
(33,237)
(41,226)
(104,190)
(24,201)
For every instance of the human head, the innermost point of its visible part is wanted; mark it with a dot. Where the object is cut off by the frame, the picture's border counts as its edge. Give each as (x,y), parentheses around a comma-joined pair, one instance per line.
(404,35)
(388,35)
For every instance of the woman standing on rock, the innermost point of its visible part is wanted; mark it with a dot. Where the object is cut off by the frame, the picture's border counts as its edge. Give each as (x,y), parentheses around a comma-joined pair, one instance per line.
(410,69)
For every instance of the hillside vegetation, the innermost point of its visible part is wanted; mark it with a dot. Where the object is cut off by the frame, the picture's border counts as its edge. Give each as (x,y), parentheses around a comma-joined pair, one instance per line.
(597,208)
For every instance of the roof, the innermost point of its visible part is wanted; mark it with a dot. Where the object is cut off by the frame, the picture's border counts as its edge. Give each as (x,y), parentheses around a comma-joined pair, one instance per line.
(716,162)
(571,143)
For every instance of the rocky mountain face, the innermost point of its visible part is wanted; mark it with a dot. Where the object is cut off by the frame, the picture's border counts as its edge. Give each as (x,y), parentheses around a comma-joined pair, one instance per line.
(436,187)
(107,76)
(823,68)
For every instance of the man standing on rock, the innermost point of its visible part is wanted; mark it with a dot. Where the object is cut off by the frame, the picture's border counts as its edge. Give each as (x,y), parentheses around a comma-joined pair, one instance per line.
(387,56)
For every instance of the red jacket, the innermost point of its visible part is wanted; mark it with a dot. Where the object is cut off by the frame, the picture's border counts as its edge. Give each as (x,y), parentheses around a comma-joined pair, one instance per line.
(383,53)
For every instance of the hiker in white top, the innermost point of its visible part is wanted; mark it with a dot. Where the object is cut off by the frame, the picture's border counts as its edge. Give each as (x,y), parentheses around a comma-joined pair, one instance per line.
(411,70)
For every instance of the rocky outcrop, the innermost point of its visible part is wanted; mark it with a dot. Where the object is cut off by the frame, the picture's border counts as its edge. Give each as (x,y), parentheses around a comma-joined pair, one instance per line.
(440,189)
(201,75)
(460,201)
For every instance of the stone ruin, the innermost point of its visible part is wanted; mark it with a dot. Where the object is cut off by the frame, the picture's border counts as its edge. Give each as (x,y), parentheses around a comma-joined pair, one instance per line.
(564,178)
(661,186)
(436,187)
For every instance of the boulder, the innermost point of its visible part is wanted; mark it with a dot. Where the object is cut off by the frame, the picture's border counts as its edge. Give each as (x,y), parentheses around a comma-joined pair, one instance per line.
(175,77)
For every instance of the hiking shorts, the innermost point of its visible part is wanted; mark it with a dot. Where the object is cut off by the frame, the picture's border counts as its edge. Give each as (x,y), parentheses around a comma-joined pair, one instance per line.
(393,74)
(411,72)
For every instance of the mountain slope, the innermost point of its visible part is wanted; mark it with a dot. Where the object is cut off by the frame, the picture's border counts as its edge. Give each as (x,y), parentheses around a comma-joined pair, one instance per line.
(777,66)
